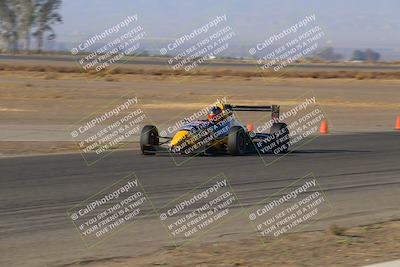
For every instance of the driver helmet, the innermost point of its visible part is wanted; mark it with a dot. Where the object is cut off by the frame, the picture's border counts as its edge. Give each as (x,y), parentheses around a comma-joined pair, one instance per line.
(214,114)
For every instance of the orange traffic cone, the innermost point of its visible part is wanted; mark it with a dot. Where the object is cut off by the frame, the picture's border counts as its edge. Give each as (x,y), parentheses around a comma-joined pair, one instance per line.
(250,127)
(398,123)
(323,129)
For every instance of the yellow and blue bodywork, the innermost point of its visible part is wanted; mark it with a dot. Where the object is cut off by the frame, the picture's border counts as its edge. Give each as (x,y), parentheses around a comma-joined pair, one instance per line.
(215,131)
(222,132)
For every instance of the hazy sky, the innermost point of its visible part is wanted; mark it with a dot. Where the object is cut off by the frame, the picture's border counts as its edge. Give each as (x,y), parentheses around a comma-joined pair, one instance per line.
(347,23)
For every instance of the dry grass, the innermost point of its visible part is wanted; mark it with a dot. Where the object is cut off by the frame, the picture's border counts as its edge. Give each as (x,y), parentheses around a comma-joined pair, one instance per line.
(110,79)
(51,76)
(337,230)
(216,73)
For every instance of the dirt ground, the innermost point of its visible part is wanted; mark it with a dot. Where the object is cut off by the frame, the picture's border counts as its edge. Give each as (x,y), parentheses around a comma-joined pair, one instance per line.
(336,246)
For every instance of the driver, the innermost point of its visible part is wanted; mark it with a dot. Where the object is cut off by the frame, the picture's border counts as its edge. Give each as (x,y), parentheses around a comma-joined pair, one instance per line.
(215,114)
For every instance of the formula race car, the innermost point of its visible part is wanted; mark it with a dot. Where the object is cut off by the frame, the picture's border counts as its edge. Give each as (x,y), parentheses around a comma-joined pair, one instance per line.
(220,133)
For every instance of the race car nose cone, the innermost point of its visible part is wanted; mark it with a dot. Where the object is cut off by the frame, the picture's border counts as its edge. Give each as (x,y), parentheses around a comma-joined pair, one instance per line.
(178,137)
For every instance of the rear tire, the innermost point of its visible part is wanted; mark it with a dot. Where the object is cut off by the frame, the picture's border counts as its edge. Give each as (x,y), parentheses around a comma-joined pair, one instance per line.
(149,138)
(237,141)
(281,137)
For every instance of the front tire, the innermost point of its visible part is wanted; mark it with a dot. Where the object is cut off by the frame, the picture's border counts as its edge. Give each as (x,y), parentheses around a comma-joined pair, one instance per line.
(149,139)
(237,141)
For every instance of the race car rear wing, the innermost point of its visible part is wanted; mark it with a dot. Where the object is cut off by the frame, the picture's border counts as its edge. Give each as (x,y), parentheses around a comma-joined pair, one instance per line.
(274,109)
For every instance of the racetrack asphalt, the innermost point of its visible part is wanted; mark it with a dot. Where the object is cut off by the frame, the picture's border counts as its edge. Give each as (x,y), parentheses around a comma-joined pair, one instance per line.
(360,174)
